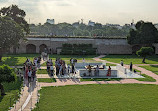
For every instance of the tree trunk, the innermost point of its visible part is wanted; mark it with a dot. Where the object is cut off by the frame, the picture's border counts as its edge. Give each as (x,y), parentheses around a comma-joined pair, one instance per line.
(143,60)
(14,50)
(0,58)
(1,53)
(2,89)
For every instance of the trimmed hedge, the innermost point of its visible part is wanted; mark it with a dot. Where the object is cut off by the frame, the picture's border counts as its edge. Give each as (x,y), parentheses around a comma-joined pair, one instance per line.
(78,49)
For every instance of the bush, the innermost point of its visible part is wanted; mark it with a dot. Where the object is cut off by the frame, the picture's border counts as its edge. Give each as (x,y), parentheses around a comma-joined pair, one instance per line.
(78,49)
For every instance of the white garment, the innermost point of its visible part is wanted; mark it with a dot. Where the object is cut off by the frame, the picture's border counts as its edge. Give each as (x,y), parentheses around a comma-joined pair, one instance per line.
(29,73)
(51,68)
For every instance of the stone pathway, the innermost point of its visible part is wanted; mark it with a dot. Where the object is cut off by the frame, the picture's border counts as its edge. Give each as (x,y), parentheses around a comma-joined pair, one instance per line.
(30,99)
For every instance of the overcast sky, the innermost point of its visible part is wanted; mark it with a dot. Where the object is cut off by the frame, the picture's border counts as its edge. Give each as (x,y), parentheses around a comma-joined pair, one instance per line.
(102,11)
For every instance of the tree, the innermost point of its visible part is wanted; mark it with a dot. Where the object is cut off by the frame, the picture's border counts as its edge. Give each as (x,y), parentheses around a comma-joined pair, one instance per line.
(6,75)
(144,52)
(145,34)
(97,32)
(10,34)
(18,15)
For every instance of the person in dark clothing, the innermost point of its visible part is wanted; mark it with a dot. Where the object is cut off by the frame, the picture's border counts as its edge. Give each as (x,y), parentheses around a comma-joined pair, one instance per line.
(131,66)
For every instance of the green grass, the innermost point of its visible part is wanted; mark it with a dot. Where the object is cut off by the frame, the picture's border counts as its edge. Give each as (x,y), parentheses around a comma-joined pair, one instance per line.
(12,90)
(136,70)
(100,79)
(153,68)
(17,60)
(109,97)
(131,58)
(109,64)
(42,71)
(147,78)
(47,80)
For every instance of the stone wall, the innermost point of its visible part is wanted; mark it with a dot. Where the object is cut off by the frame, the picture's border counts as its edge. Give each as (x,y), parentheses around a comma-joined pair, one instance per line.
(104,46)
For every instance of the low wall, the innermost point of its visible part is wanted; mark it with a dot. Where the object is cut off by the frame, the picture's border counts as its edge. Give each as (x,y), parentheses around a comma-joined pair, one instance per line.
(102,73)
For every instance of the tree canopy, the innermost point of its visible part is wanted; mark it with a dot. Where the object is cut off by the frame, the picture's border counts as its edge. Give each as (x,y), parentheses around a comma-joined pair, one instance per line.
(145,33)
(145,51)
(17,14)
(6,75)
(10,34)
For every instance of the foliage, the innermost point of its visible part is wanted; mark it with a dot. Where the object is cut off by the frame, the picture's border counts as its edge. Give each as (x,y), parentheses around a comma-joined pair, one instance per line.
(6,74)
(12,91)
(78,49)
(145,51)
(145,33)
(62,29)
(17,15)
(109,97)
(10,33)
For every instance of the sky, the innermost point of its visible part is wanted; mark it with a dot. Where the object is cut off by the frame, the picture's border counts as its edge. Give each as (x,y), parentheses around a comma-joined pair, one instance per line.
(101,11)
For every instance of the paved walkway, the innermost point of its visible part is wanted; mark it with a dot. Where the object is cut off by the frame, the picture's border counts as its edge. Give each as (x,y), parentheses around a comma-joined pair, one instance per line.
(28,100)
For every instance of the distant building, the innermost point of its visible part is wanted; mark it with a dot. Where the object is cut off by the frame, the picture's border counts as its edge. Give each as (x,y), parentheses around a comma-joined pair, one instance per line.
(76,24)
(114,25)
(51,21)
(90,23)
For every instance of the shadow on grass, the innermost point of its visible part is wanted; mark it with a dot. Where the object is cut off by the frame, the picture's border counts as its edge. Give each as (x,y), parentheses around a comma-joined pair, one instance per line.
(1,98)
(12,61)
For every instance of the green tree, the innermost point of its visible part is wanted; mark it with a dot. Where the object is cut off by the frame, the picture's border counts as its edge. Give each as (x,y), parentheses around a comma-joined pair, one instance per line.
(144,52)
(10,34)
(86,33)
(18,15)
(145,34)
(97,32)
(6,75)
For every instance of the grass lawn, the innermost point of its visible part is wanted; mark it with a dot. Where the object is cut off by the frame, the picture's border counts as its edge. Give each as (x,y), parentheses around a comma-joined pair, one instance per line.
(12,90)
(47,80)
(147,78)
(42,71)
(66,58)
(109,97)
(100,79)
(17,60)
(153,68)
(131,58)
(108,64)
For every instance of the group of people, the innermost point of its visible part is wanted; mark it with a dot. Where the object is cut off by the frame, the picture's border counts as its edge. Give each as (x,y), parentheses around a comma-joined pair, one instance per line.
(60,67)
(96,70)
(50,68)
(30,68)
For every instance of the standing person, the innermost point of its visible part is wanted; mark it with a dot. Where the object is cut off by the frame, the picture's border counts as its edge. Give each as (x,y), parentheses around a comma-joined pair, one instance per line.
(109,71)
(51,70)
(68,68)
(73,68)
(33,74)
(97,70)
(83,60)
(48,67)
(89,70)
(131,66)
(38,62)
(121,62)
(29,75)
